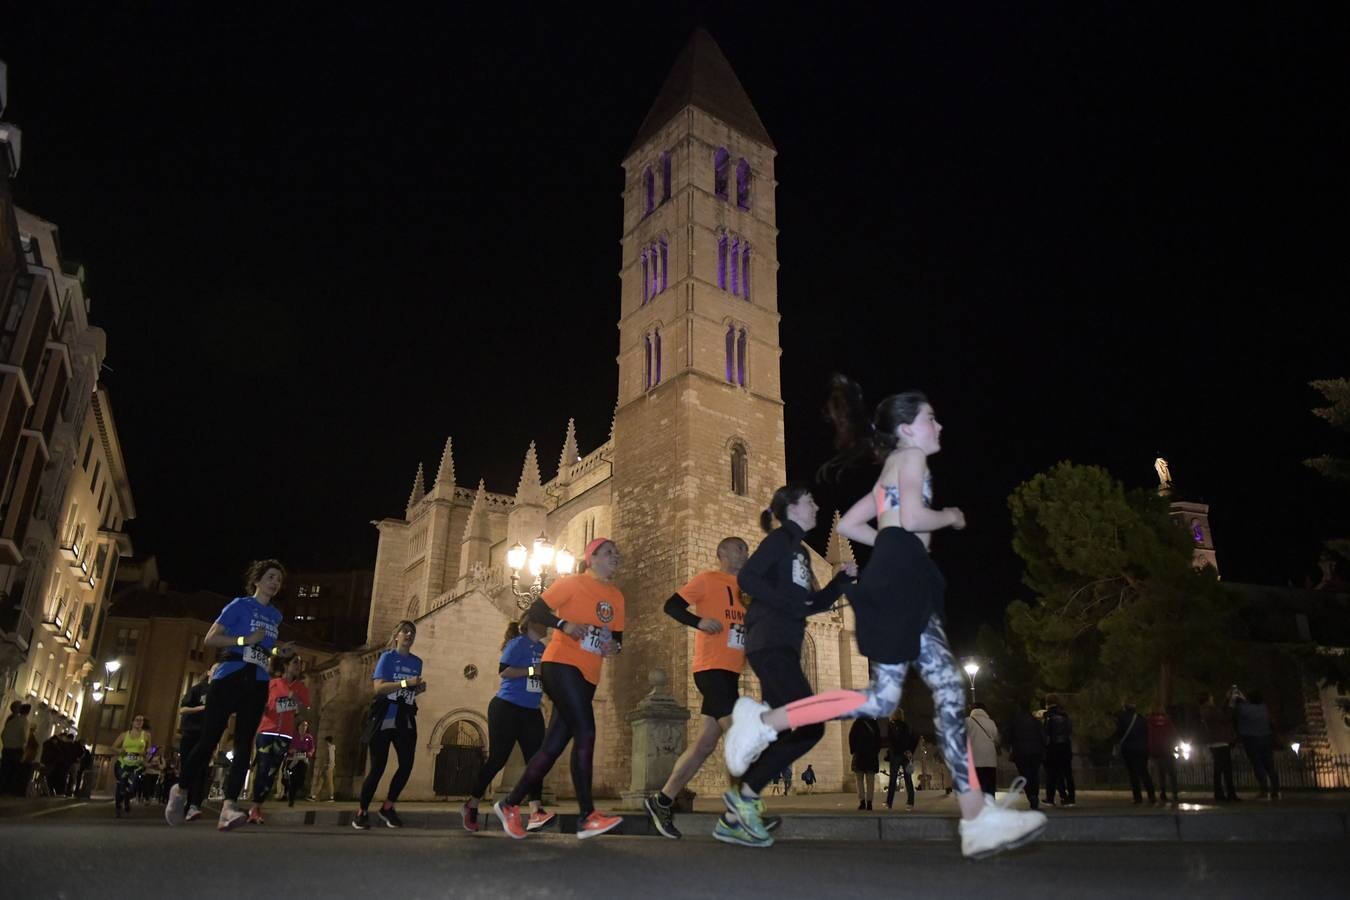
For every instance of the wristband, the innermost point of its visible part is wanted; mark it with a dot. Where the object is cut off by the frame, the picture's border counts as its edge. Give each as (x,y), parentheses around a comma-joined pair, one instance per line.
(239,640)
(276,651)
(562,623)
(403,683)
(530,671)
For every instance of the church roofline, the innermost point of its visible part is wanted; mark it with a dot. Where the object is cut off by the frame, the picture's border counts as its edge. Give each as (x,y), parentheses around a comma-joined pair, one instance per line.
(702,77)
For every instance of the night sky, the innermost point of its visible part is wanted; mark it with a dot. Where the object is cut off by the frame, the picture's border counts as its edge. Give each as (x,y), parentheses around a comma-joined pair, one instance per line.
(321,243)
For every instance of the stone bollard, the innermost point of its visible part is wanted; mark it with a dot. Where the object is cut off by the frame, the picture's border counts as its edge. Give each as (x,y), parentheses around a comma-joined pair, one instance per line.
(658,724)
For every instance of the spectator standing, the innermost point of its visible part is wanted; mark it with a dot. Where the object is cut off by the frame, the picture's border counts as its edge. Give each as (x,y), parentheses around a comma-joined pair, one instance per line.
(1162,739)
(1024,737)
(298,758)
(1219,737)
(864,742)
(983,734)
(1058,753)
(901,744)
(1131,738)
(324,768)
(809,778)
(1251,720)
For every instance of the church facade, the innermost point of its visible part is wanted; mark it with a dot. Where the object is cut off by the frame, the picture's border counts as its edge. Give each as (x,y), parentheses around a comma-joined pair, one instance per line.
(695,451)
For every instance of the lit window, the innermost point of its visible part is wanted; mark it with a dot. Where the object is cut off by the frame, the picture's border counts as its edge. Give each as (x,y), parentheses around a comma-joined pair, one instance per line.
(665,176)
(743,184)
(721,165)
(649,189)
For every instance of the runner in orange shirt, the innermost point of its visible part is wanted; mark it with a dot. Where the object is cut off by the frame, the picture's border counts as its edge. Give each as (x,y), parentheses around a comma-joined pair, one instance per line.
(710,603)
(586,610)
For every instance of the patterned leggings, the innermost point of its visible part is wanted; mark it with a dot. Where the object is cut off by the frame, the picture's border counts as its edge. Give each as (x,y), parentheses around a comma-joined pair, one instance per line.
(938,669)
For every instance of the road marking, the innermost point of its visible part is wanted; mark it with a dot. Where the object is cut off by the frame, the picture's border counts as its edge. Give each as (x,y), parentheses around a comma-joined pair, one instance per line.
(56,809)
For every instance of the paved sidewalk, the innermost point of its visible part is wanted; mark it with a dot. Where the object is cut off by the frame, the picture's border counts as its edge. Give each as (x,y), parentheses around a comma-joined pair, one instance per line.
(1099,816)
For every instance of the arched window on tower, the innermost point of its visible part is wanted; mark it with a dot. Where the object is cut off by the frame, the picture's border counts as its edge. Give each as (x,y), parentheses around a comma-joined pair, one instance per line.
(739,471)
(656,353)
(721,171)
(735,269)
(656,272)
(665,271)
(809,660)
(649,190)
(665,176)
(743,184)
(645,295)
(745,270)
(1197,531)
(740,358)
(647,361)
(722,261)
(731,354)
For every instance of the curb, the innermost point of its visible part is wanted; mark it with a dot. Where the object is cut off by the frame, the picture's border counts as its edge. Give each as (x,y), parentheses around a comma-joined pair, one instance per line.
(1211,827)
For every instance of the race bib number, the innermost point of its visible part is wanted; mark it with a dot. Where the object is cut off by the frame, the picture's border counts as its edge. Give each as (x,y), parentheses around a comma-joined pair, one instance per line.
(801,572)
(257,656)
(286,704)
(534,685)
(404,695)
(594,640)
(736,636)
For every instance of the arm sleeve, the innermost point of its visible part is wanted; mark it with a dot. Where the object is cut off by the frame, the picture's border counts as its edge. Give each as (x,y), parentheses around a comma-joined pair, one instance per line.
(677,608)
(753,577)
(542,613)
(384,667)
(827,596)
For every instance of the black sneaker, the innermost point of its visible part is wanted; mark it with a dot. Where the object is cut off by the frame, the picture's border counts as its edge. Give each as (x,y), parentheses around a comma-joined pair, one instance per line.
(661,816)
(361,820)
(390,817)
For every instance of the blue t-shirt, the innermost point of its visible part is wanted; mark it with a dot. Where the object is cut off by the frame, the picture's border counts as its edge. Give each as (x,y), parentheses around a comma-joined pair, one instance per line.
(241,617)
(394,666)
(524,691)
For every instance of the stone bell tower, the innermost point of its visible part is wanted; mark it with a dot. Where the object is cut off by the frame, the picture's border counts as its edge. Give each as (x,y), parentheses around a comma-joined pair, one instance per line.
(698,431)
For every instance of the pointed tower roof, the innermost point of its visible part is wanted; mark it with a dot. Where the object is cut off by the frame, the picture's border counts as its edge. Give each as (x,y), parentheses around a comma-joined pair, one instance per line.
(702,77)
(419,487)
(530,490)
(445,475)
(838,550)
(569,450)
(477,524)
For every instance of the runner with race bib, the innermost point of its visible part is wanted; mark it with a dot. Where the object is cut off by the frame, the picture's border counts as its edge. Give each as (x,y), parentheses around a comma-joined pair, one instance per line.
(586,610)
(286,695)
(246,631)
(711,604)
(514,717)
(396,683)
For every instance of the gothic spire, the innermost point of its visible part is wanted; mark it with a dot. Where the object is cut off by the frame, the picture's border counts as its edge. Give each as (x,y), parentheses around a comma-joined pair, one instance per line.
(476,526)
(530,490)
(838,550)
(419,489)
(445,475)
(569,450)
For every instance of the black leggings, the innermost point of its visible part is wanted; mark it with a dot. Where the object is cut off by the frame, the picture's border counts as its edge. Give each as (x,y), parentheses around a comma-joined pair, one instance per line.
(508,725)
(573,720)
(243,695)
(271,751)
(404,741)
(779,670)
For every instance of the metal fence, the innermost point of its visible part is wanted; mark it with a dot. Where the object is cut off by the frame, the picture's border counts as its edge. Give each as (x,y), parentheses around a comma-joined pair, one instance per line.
(1304,771)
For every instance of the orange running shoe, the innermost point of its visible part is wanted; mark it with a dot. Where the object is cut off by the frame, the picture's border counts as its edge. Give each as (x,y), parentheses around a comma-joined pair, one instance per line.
(510,819)
(596,823)
(539,820)
(255,816)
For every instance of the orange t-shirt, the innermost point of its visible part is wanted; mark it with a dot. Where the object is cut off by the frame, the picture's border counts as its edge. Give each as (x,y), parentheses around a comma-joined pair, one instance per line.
(715,595)
(588,601)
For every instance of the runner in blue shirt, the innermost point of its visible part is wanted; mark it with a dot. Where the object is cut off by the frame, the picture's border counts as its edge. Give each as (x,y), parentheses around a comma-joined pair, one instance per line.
(514,717)
(246,631)
(396,682)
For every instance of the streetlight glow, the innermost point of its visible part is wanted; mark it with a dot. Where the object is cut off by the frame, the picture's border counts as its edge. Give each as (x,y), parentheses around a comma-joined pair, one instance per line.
(97,695)
(972,669)
(565,562)
(543,551)
(1294,746)
(112,665)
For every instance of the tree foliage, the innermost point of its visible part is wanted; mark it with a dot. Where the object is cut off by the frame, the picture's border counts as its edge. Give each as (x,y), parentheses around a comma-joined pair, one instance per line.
(1337,414)
(1120,611)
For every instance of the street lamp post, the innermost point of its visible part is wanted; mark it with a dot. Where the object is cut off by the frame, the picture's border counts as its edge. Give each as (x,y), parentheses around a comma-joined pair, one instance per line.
(100,691)
(972,669)
(544,563)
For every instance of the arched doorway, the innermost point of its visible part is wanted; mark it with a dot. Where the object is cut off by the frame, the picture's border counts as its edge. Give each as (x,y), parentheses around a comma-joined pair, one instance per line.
(459,760)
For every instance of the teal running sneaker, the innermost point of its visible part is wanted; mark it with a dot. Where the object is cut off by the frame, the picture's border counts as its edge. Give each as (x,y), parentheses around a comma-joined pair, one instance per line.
(736,834)
(747,813)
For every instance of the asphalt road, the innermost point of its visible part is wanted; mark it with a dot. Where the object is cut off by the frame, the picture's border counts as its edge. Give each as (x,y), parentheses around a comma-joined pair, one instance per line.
(82,852)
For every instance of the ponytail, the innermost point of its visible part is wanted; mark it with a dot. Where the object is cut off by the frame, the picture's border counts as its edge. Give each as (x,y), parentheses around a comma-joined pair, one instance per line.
(513,631)
(784,497)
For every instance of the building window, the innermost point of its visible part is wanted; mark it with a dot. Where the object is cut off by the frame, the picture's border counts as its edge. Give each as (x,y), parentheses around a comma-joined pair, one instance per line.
(14,316)
(88,451)
(645,295)
(721,165)
(731,354)
(647,361)
(86,621)
(809,659)
(722,261)
(740,358)
(656,352)
(739,475)
(127,639)
(98,467)
(743,184)
(649,190)
(665,255)
(656,271)
(745,270)
(1197,531)
(735,269)
(665,176)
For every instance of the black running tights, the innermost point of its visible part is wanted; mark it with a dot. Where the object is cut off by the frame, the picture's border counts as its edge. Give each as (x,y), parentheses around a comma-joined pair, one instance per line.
(573,720)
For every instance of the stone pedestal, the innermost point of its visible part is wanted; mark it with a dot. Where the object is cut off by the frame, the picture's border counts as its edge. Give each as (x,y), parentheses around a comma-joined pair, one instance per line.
(658,724)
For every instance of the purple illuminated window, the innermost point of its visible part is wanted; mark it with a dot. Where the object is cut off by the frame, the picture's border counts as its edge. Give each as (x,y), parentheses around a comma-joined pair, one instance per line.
(665,176)
(721,170)
(649,185)
(735,269)
(743,184)
(745,271)
(657,354)
(656,271)
(731,354)
(738,470)
(722,262)
(1197,532)
(740,358)
(645,296)
(665,254)
(647,365)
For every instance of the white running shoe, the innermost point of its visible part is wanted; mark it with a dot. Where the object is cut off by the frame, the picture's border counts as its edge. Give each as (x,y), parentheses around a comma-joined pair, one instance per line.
(998,828)
(747,737)
(174,809)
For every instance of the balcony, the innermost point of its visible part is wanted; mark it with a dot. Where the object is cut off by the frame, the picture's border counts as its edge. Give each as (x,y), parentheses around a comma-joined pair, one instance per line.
(70,552)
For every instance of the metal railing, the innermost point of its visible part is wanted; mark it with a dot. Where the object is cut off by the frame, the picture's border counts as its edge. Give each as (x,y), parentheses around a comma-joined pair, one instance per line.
(1306,771)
